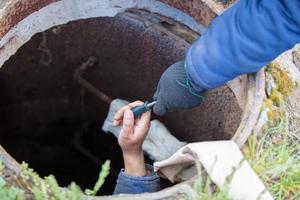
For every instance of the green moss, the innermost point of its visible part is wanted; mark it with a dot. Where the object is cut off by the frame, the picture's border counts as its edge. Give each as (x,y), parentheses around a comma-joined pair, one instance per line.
(1,167)
(268,104)
(285,84)
(274,113)
(277,97)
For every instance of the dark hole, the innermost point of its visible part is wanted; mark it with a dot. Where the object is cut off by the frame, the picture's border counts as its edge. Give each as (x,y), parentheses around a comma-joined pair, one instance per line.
(43,109)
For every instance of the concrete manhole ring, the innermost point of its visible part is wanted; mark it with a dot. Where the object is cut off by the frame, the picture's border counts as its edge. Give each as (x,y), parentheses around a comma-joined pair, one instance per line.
(50,35)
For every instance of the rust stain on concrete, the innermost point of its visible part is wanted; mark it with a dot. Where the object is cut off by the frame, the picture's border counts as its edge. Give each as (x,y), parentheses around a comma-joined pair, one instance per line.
(17,11)
(196,8)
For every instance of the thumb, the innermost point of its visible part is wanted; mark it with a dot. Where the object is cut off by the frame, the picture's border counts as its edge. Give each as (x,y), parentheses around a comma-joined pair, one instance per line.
(160,107)
(128,122)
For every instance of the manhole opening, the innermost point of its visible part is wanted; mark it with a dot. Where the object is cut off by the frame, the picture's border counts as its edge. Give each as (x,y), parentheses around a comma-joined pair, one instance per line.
(43,109)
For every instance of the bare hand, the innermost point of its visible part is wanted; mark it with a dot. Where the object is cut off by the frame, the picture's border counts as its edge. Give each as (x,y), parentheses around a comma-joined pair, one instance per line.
(131,138)
(133,131)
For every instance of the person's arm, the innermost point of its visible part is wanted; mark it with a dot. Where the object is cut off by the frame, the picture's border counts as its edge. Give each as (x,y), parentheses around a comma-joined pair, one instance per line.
(242,40)
(136,177)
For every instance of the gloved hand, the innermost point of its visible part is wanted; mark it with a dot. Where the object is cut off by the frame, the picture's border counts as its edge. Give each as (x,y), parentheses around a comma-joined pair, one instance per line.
(175,90)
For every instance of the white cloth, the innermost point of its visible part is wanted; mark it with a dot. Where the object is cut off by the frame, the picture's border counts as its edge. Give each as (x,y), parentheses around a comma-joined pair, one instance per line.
(221,160)
(159,144)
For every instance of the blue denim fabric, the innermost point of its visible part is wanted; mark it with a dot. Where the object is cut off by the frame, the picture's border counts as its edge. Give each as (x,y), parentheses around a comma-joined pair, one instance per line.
(137,184)
(242,40)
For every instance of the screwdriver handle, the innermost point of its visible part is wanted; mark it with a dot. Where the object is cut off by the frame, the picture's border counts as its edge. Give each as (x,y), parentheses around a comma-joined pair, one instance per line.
(139,110)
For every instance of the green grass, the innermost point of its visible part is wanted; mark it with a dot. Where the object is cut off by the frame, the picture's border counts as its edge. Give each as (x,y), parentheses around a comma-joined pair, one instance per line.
(8,192)
(46,188)
(204,189)
(275,157)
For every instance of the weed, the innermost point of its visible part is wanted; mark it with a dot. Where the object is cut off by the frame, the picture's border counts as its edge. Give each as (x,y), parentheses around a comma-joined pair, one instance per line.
(8,192)
(275,156)
(103,174)
(205,190)
(48,188)
(45,188)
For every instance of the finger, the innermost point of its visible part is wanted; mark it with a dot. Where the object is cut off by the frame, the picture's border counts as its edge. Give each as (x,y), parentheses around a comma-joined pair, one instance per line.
(144,120)
(143,123)
(119,115)
(142,126)
(128,122)
(135,104)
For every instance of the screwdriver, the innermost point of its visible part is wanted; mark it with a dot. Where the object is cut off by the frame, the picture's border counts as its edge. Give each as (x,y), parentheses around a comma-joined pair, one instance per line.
(139,110)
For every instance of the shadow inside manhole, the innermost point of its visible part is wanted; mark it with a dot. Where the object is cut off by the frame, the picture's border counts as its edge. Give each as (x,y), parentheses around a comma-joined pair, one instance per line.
(46,116)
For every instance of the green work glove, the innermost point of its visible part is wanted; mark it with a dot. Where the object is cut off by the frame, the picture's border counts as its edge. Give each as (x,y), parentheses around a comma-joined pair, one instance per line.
(175,90)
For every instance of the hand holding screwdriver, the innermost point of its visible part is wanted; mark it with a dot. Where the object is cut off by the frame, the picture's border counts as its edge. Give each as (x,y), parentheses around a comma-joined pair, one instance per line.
(139,110)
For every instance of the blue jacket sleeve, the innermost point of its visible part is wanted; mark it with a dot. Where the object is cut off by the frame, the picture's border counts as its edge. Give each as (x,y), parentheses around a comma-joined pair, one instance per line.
(242,40)
(137,184)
